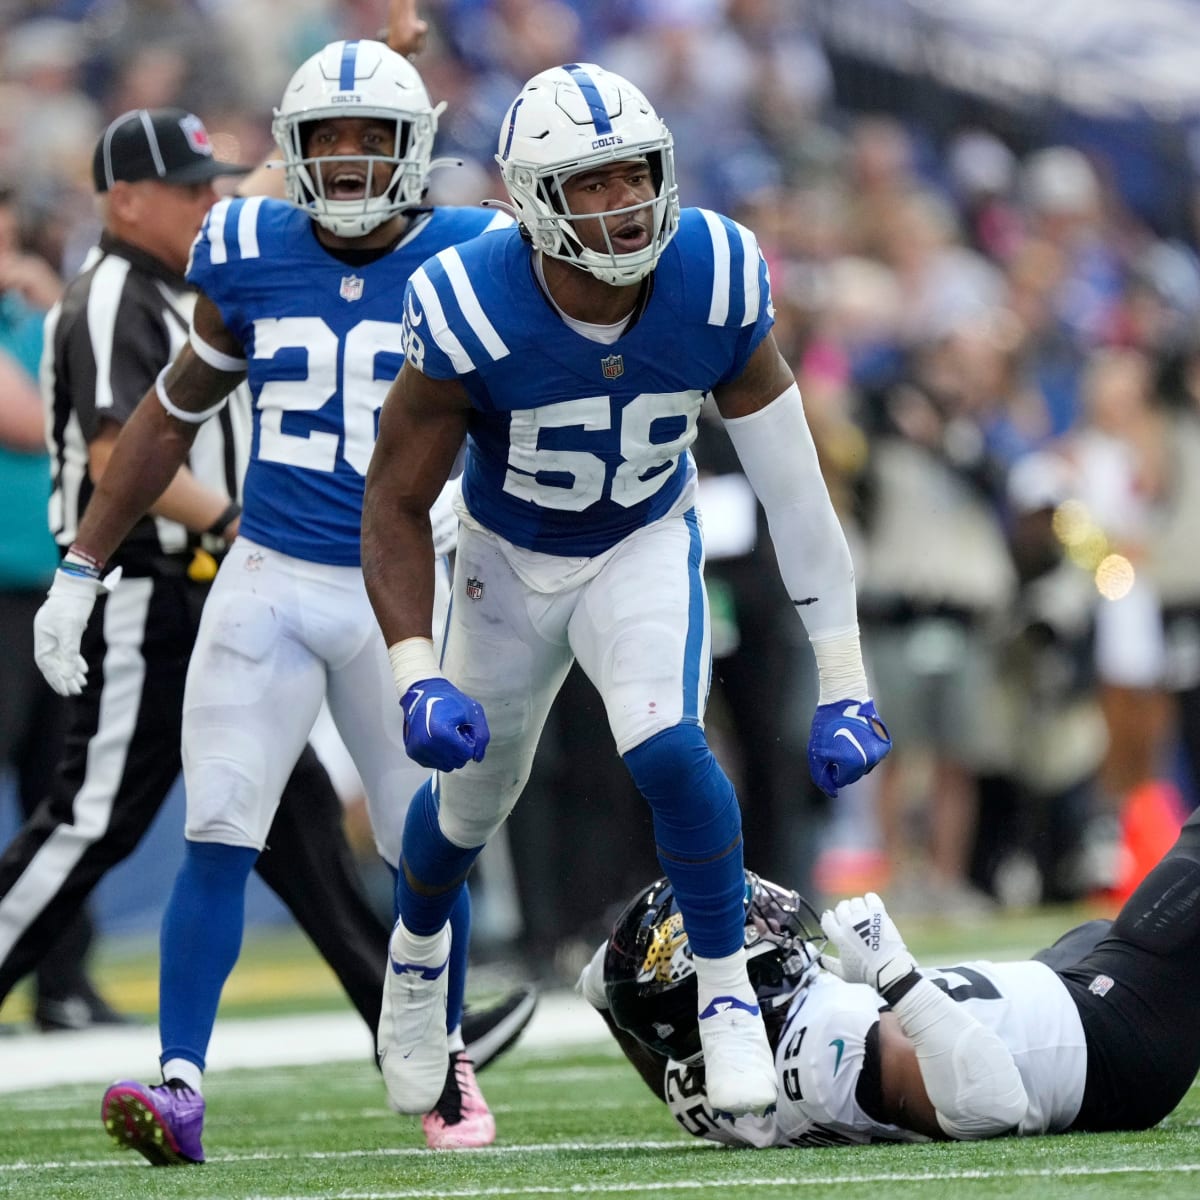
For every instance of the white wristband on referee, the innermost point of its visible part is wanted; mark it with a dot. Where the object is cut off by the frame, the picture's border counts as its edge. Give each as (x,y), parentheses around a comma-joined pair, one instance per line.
(840,666)
(413,659)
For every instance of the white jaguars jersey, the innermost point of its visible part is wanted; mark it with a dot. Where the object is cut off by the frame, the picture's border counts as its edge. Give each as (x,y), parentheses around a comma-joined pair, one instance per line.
(323,340)
(573,445)
(796,1121)
(822,1049)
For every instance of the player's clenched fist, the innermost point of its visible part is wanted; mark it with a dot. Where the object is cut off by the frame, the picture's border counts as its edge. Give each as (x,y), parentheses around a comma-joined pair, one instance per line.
(443,728)
(846,741)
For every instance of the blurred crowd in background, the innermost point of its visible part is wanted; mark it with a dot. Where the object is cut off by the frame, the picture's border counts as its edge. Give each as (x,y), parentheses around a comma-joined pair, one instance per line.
(994,317)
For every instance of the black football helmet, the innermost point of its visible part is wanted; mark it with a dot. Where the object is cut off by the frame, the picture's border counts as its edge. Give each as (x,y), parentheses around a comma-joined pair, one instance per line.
(650,980)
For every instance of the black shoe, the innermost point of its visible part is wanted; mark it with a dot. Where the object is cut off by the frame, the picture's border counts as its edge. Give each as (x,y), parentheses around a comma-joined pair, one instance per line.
(79,1010)
(489,1032)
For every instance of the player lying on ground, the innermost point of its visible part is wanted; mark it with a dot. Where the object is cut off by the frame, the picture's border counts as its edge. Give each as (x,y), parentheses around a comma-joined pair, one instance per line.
(1097,1032)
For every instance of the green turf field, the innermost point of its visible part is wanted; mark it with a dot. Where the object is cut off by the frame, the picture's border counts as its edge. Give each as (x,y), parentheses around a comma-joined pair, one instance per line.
(570,1125)
(573,1122)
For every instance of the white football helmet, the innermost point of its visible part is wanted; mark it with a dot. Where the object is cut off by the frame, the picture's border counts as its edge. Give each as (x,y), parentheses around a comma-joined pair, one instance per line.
(573,118)
(357,79)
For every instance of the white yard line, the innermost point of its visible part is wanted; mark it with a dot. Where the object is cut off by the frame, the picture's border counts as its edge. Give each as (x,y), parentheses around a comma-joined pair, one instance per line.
(772,1183)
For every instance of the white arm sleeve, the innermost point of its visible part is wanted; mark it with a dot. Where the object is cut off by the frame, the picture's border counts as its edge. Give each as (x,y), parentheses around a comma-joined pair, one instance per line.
(776,450)
(970,1076)
(590,984)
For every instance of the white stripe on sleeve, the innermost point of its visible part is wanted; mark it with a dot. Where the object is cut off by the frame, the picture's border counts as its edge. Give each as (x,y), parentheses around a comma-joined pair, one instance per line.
(750,264)
(439,331)
(718,310)
(247,230)
(468,301)
(218,252)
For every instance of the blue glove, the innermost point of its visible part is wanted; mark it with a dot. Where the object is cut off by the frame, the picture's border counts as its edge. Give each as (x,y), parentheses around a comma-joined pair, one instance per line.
(845,743)
(443,728)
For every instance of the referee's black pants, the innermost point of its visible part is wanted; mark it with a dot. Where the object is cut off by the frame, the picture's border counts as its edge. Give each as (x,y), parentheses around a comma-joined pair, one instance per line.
(121,756)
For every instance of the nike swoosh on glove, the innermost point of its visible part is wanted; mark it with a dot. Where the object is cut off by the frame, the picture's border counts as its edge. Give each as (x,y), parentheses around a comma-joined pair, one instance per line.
(58,628)
(843,744)
(444,729)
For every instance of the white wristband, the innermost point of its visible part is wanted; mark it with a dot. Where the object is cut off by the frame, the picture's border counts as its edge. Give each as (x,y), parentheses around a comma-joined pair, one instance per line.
(183,414)
(217,359)
(840,666)
(413,659)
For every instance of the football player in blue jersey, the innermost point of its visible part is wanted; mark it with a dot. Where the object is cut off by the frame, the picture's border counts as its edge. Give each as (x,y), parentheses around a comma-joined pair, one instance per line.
(574,353)
(303,299)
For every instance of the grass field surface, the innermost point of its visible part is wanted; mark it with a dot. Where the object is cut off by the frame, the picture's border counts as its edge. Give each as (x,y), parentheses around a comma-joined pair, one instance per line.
(574,1121)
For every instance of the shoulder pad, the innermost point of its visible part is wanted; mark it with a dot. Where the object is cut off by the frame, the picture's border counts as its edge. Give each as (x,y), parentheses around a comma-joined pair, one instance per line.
(239,229)
(446,312)
(727,278)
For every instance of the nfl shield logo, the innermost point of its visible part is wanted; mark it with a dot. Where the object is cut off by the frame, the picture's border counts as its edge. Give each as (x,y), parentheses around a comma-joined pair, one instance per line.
(613,366)
(352,287)
(196,134)
(1101,985)
(474,588)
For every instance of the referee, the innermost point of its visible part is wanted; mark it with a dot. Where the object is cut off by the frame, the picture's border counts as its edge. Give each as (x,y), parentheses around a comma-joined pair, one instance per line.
(120,321)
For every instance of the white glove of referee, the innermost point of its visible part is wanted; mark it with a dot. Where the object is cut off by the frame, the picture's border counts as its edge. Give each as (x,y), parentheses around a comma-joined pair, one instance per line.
(58,628)
(870,948)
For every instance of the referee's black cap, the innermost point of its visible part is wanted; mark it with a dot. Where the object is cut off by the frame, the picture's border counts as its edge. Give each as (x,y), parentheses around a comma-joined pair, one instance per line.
(167,144)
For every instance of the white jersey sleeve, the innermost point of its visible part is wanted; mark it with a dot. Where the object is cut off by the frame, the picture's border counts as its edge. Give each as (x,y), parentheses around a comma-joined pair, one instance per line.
(823,1049)
(820,1058)
(1029,1008)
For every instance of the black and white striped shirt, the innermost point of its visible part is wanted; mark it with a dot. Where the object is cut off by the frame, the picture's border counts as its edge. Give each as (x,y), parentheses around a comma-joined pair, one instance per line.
(119,322)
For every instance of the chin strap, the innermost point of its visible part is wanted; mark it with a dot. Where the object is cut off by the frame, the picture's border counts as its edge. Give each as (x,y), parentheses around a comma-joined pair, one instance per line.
(503,206)
(436,164)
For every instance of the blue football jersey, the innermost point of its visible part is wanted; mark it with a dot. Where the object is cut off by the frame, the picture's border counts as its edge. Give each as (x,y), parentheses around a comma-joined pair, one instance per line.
(323,341)
(573,444)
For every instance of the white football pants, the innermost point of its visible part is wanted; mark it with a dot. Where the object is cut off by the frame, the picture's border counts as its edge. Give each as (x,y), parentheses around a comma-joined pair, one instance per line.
(278,635)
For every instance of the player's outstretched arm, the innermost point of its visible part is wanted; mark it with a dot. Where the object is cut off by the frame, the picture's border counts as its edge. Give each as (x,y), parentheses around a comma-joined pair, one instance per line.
(941,1063)
(764,416)
(421,428)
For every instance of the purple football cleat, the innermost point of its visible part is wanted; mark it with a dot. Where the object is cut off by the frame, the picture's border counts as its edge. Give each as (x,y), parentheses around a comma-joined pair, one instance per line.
(162,1123)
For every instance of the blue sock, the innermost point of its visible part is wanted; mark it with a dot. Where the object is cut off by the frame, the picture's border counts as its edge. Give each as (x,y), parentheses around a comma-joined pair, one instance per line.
(698,835)
(429,858)
(199,943)
(460,938)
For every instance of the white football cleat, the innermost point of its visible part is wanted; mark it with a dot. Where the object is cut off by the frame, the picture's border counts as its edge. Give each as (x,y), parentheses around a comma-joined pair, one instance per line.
(739,1068)
(412,1045)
